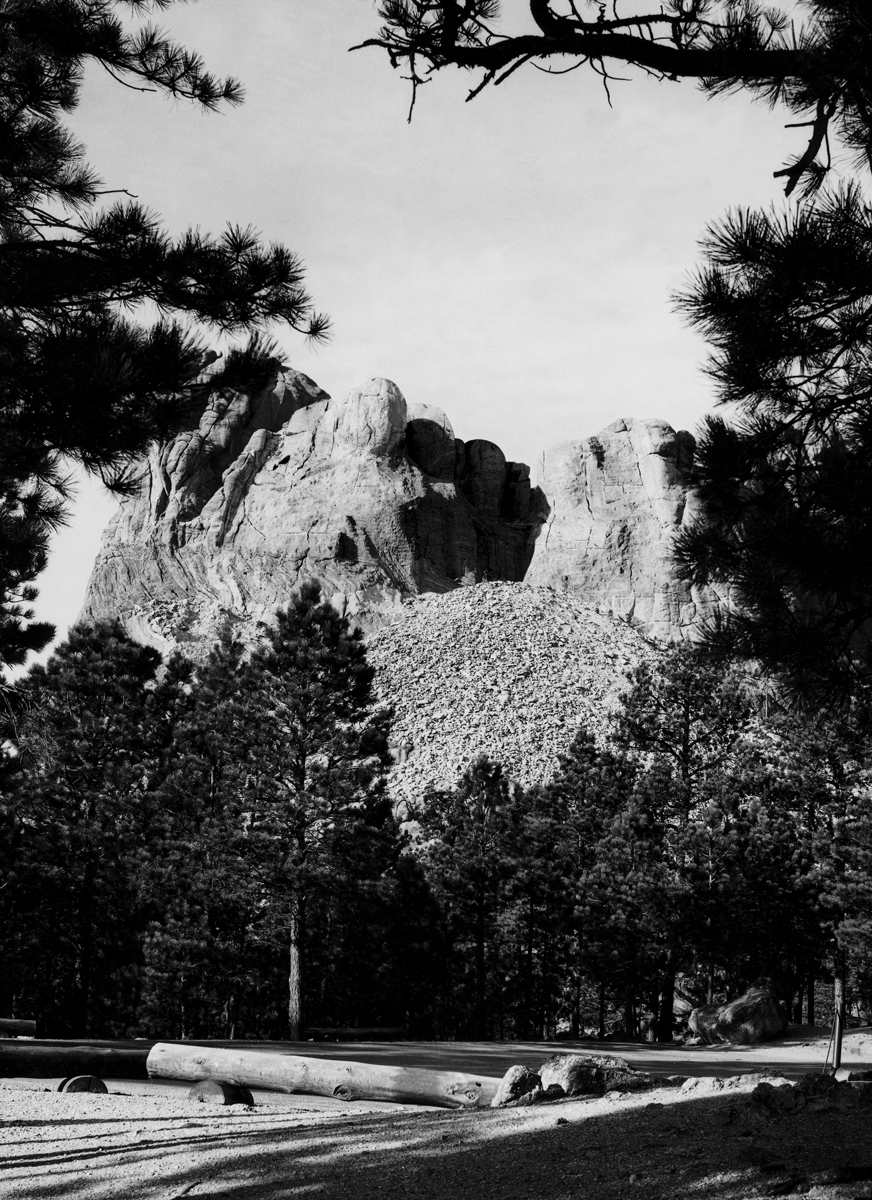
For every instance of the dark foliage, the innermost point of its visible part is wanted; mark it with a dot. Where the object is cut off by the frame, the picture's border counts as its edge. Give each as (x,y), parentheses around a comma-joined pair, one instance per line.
(70,904)
(787,524)
(817,61)
(81,378)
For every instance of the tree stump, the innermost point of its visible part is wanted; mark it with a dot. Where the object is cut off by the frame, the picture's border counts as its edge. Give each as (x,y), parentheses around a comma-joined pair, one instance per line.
(214,1091)
(82,1083)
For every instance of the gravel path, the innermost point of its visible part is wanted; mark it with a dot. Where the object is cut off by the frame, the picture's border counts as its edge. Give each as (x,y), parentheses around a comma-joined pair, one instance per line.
(709,1139)
(710,1143)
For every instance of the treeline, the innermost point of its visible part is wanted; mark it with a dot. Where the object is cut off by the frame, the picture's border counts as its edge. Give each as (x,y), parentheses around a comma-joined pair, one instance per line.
(209,851)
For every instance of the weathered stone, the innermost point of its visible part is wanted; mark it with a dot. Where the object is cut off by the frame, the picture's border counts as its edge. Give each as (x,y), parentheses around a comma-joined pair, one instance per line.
(377,500)
(616,502)
(755,1016)
(619,1080)
(517,1082)
(814,1092)
(544,1095)
(708,1085)
(286,486)
(430,441)
(588,1074)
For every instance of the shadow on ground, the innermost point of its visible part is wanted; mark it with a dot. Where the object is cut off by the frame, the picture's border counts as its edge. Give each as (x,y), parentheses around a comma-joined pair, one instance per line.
(722,1147)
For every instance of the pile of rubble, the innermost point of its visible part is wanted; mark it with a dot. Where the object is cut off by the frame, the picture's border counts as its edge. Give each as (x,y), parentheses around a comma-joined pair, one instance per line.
(503,669)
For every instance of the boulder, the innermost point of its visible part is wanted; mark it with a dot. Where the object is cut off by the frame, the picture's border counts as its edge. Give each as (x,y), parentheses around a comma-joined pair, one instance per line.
(616,502)
(755,1016)
(516,1083)
(618,1080)
(593,1075)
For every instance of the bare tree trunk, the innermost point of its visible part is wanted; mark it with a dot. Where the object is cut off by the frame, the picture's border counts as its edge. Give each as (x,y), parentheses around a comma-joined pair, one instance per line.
(839,963)
(630,1012)
(295,969)
(85,957)
(528,976)
(809,1012)
(602,1011)
(479,971)
(839,1013)
(667,1001)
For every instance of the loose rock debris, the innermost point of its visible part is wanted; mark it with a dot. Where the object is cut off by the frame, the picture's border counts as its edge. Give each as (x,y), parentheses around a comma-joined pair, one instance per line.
(503,669)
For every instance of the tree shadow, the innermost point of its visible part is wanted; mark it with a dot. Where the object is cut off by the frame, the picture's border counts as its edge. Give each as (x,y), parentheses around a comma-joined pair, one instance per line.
(722,1147)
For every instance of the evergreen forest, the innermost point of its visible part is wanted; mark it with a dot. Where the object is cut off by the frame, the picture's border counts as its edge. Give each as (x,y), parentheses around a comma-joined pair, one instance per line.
(206,848)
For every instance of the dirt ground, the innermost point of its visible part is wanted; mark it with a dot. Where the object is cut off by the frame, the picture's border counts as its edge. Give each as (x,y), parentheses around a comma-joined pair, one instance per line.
(709,1139)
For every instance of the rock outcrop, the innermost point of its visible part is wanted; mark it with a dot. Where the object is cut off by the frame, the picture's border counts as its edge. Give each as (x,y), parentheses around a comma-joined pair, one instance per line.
(373,498)
(755,1016)
(616,502)
(378,501)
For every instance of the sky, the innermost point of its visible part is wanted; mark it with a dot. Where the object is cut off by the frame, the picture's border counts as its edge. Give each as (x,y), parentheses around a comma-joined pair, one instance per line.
(510,260)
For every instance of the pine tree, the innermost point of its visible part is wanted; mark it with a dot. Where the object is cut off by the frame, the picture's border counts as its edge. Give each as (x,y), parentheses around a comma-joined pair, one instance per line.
(813,57)
(202,966)
(320,828)
(80,379)
(588,792)
(71,910)
(685,719)
(785,519)
(466,853)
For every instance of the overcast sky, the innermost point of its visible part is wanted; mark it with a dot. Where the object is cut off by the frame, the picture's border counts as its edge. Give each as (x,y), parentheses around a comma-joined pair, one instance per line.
(510,260)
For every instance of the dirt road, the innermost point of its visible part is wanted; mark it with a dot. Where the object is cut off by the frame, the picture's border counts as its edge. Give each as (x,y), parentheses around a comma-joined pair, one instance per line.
(149,1142)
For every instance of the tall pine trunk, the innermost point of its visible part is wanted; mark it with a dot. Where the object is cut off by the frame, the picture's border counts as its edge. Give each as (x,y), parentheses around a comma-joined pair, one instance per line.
(480,970)
(667,1000)
(839,1007)
(296,929)
(630,1011)
(85,956)
(527,1024)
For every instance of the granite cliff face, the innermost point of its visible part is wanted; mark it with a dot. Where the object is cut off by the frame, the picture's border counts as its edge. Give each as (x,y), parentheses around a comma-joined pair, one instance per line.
(616,502)
(374,498)
(378,501)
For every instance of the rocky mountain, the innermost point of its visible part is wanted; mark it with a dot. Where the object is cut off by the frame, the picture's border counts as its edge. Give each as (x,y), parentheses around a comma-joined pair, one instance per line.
(378,501)
(374,498)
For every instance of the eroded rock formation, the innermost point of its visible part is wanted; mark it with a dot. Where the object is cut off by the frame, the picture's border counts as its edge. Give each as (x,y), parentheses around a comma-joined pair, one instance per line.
(377,500)
(616,502)
(374,498)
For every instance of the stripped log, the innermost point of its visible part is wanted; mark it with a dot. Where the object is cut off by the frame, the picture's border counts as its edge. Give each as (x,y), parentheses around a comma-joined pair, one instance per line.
(15,1027)
(60,1059)
(210,1091)
(83,1083)
(322,1076)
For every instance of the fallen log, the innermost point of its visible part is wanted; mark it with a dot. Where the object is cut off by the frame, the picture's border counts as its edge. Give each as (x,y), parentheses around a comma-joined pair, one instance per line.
(35,1061)
(321,1076)
(14,1027)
